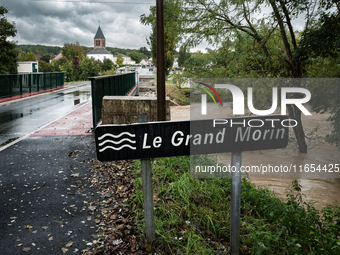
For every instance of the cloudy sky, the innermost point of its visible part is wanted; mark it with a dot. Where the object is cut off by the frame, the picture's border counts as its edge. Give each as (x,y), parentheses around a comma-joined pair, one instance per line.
(55,22)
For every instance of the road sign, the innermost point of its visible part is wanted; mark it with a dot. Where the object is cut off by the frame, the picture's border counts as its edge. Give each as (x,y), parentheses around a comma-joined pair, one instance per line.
(178,138)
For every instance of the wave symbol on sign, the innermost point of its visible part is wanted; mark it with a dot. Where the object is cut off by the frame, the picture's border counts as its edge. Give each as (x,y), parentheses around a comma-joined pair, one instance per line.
(117,142)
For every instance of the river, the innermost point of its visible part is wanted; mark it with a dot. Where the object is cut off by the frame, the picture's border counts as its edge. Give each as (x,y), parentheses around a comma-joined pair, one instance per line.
(316,187)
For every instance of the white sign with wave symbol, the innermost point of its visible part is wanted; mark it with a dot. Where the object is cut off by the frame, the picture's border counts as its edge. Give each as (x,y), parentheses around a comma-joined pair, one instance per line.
(116,143)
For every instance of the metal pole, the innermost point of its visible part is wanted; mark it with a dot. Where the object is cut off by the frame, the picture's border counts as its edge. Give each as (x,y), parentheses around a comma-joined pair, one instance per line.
(147,191)
(236,158)
(161,116)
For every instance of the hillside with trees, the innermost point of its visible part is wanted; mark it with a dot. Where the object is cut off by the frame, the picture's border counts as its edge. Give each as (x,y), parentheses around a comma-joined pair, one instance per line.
(43,50)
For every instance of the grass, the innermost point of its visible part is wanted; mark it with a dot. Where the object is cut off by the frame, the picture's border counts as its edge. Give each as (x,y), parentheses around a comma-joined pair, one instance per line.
(181,95)
(192,216)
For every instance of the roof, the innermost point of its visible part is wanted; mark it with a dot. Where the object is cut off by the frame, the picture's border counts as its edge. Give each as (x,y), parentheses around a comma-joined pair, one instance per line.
(99,51)
(99,34)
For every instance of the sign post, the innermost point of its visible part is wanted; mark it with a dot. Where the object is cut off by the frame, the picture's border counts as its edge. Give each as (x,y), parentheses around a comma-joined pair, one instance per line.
(236,158)
(178,138)
(147,191)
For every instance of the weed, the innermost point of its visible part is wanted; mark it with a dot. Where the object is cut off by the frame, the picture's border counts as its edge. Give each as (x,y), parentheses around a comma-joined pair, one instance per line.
(192,216)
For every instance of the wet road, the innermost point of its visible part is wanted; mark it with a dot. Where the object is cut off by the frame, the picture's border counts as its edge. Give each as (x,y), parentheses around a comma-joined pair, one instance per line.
(22,118)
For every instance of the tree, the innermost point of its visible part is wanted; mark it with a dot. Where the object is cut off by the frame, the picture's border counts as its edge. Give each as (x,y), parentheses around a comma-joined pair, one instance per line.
(183,55)
(320,48)
(120,60)
(171,31)
(106,65)
(136,56)
(88,67)
(8,52)
(218,21)
(44,67)
(46,57)
(23,56)
(72,50)
(145,52)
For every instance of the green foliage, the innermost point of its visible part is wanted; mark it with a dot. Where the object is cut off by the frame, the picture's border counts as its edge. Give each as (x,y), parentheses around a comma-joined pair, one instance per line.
(137,56)
(319,47)
(44,67)
(120,60)
(171,31)
(323,39)
(23,56)
(192,216)
(107,65)
(8,52)
(71,50)
(88,67)
(183,55)
(145,51)
(46,57)
(41,49)
(67,69)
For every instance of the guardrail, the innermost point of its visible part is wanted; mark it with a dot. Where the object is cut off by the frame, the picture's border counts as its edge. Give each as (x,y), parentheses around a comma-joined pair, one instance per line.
(125,84)
(19,84)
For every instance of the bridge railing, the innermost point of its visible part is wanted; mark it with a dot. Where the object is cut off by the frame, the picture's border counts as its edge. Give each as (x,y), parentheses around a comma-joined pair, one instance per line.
(19,84)
(125,84)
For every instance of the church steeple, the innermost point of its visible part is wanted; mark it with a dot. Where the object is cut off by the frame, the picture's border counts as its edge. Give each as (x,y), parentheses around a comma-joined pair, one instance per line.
(99,39)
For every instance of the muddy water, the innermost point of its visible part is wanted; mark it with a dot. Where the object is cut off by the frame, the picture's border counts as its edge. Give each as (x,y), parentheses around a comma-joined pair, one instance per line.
(320,189)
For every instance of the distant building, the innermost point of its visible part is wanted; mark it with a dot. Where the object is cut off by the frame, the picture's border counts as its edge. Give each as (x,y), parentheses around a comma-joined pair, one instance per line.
(99,52)
(146,62)
(127,59)
(28,67)
(56,57)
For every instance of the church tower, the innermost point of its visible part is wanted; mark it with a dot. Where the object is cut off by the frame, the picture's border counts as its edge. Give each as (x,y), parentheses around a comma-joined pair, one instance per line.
(99,39)
(99,52)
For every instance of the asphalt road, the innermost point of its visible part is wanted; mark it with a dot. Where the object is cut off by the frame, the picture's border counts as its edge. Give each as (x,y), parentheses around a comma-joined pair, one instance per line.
(48,204)
(23,117)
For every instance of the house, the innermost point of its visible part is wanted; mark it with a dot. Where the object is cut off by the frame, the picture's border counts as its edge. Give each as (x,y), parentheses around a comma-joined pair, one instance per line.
(28,67)
(99,52)
(127,59)
(146,62)
(56,57)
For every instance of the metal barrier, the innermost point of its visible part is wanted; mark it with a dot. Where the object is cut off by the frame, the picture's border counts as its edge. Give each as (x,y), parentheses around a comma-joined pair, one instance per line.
(19,84)
(110,85)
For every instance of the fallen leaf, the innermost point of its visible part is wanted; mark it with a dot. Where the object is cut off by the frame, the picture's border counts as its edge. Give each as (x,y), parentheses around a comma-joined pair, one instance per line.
(64,250)
(92,208)
(45,227)
(75,175)
(117,241)
(27,226)
(26,249)
(20,244)
(89,218)
(50,239)
(69,244)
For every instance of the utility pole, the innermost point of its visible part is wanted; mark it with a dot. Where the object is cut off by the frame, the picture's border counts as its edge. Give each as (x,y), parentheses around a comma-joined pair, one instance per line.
(161,115)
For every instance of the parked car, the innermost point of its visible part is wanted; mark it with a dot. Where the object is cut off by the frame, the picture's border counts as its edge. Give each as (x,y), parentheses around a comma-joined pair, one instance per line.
(133,69)
(151,69)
